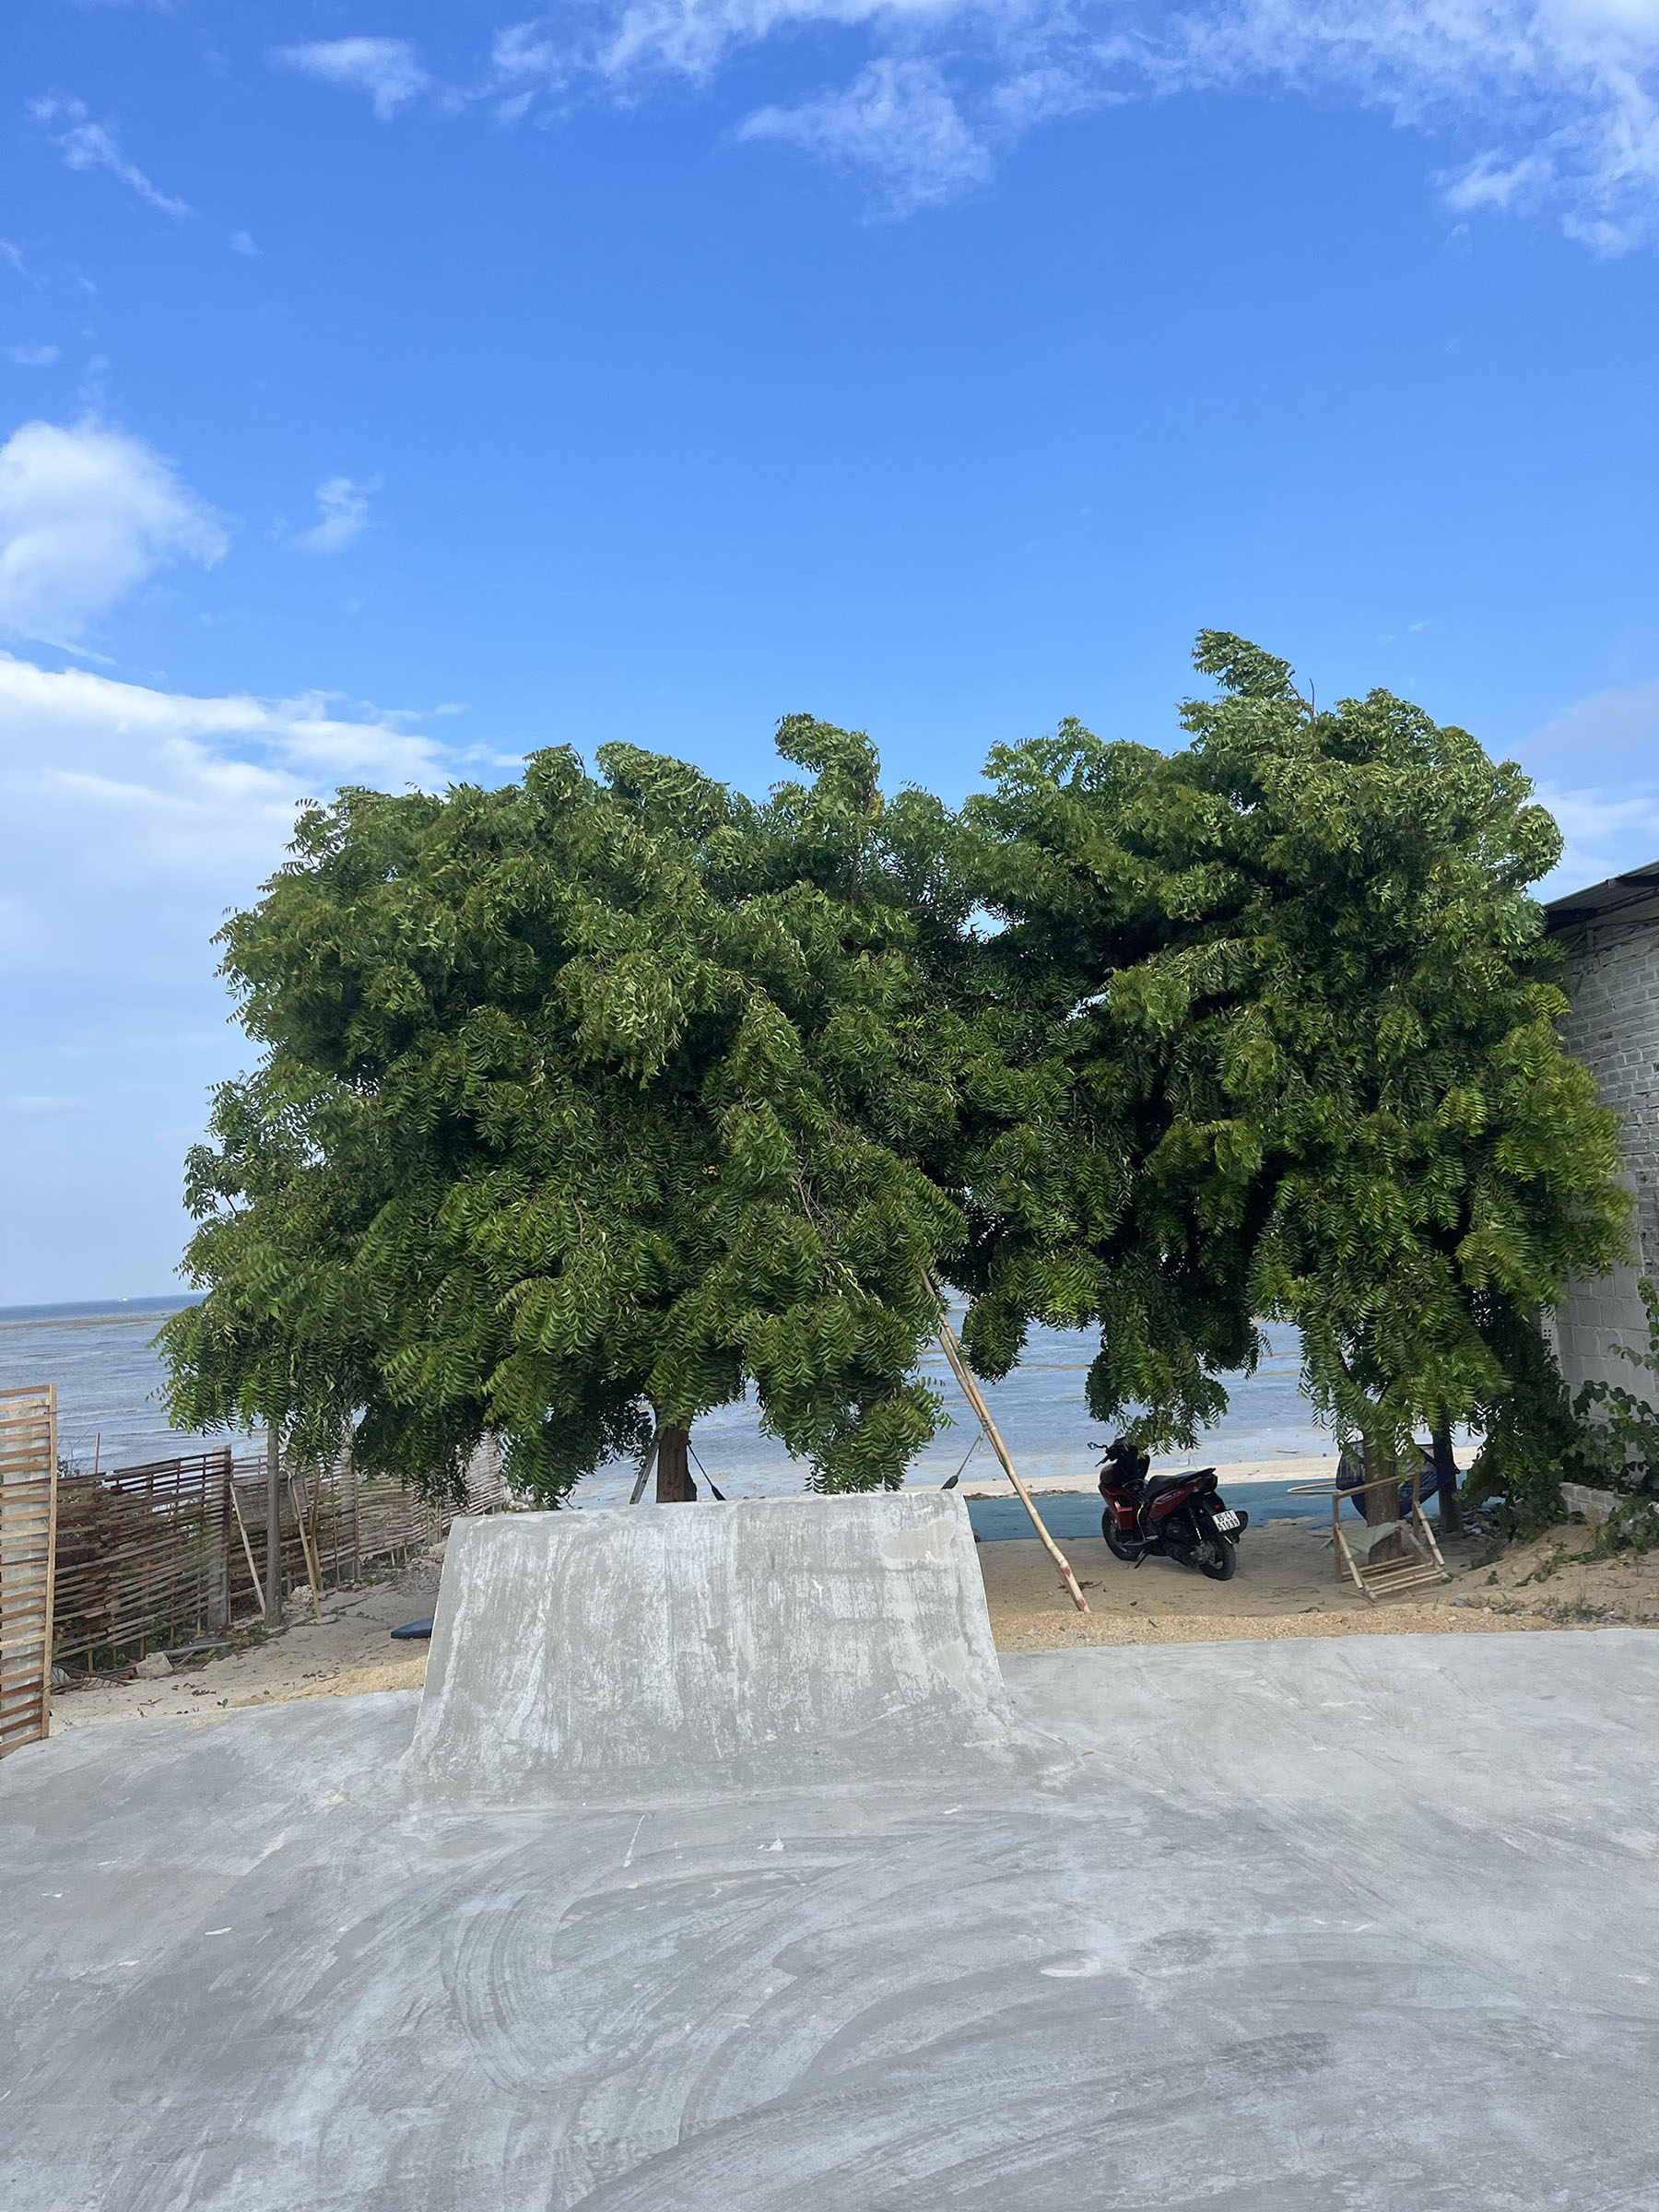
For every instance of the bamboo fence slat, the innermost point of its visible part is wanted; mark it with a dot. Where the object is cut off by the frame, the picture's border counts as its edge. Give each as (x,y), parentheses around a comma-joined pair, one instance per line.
(152,1556)
(28,1502)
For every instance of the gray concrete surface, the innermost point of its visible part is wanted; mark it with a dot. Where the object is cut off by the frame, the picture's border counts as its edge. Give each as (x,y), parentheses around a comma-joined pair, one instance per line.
(1308,1926)
(647,1653)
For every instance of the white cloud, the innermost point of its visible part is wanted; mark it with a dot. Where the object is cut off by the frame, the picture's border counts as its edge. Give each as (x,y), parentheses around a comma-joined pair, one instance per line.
(1598,770)
(135,819)
(86,513)
(1615,730)
(241,242)
(86,145)
(134,816)
(897,119)
(1539,102)
(388,70)
(1600,837)
(31,356)
(343,512)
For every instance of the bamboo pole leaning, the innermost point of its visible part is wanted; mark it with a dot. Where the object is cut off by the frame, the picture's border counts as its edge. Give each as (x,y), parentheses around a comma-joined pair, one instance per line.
(992,1435)
(241,1530)
(646,1466)
(311,1574)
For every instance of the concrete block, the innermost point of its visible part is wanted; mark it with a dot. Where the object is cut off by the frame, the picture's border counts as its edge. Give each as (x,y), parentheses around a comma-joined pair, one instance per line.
(672,1650)
(1593,1506)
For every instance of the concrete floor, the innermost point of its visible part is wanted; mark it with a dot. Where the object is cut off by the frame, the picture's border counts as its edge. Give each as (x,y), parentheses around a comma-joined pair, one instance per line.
(1321,1926)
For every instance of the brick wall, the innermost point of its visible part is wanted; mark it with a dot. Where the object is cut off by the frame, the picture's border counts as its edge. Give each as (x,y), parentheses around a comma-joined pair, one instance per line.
(1613,981)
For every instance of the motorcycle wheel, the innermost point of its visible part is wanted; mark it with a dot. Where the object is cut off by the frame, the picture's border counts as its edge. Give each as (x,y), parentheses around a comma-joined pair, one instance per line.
(1217,1557)
(1114,1542)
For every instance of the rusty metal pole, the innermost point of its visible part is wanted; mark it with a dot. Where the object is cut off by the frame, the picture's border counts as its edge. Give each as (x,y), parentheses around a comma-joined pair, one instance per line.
(273,1589)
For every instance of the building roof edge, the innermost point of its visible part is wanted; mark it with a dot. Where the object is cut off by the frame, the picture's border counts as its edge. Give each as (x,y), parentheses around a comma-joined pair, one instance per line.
(1632,897)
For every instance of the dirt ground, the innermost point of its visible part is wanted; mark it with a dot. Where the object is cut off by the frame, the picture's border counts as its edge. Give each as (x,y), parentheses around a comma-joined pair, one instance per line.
(350,1651)
(1284,1587)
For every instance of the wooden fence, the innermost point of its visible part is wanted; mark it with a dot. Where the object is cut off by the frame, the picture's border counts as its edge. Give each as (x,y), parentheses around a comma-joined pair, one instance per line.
(152,1557)
(27,1490)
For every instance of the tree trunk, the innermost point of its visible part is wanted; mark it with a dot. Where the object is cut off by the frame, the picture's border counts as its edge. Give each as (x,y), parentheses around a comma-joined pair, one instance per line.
(1382,1506)
(1445,1460)
(674,1483)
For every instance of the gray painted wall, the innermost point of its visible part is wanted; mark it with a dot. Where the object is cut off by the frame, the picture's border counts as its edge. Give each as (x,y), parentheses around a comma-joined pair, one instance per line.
(1613,981)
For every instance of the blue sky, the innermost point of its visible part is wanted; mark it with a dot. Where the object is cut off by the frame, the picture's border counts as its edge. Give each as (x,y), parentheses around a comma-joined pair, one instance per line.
(385,391)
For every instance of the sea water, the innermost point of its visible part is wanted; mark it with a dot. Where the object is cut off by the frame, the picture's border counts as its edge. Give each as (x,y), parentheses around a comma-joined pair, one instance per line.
(109,1379)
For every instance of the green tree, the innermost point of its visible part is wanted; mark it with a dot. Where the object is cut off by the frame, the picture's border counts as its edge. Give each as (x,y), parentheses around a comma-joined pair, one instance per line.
(1027,901)
(583,1103)
(1314,1032)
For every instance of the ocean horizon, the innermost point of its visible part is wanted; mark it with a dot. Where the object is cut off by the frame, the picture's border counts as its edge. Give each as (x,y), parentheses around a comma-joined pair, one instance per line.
(99,1352)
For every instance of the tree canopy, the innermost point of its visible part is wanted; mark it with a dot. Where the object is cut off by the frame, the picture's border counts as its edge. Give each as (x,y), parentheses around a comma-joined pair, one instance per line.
(1322,1026)
(582,1102)
(588,1101)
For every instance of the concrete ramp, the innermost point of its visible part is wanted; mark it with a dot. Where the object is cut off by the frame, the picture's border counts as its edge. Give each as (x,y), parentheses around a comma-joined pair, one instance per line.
(659,1651)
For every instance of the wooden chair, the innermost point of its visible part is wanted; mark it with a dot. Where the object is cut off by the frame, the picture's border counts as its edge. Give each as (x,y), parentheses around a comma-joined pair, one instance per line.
(1405,1570)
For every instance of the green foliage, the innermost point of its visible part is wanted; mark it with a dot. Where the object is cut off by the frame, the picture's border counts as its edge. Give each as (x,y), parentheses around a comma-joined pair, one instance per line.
(582,1103)
(1042,896)
(1619,1441)
(1531,1440)
(1310,1053)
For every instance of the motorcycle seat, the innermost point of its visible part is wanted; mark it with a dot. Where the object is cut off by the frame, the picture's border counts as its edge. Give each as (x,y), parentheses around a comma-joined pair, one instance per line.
(1160,1483)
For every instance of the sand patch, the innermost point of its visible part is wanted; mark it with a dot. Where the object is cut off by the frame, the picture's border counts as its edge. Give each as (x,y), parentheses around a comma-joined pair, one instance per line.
(1286,1586)
(348,1653)
(355,1682)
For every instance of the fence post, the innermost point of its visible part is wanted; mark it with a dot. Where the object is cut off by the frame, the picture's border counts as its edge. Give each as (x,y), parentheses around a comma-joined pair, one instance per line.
(27,1552)
(222,1581)
(273,1591)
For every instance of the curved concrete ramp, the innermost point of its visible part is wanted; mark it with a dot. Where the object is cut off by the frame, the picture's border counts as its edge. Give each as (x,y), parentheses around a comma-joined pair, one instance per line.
(655,1652)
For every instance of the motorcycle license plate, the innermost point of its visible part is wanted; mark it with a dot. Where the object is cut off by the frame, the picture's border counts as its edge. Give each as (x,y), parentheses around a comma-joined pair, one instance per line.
(1226,1520)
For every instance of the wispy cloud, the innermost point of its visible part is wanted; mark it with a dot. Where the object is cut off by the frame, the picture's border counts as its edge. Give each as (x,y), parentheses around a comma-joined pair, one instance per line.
(1538,104)
(85,145)
(897,120)
(1565,93)
(342,516)
(86,514)
(388,70)
(31,356)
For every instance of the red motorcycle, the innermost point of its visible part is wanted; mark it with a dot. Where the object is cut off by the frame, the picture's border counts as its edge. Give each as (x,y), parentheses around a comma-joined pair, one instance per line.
(1184,1517)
